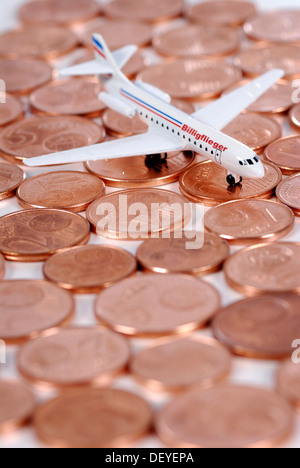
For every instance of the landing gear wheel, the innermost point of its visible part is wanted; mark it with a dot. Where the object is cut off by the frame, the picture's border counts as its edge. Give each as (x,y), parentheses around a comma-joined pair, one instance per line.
(231,180)
(156,161)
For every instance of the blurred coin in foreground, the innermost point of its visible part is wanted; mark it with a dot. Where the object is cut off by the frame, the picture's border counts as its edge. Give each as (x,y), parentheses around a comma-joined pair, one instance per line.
(29,307)
(17,405)
(288,381)
(262,327)
(84,356)
(11,110)
(177,364)
(155,305)
(190,420)
(93,417)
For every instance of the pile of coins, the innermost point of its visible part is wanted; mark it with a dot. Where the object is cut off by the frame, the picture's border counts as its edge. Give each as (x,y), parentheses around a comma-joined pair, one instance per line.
(154,288)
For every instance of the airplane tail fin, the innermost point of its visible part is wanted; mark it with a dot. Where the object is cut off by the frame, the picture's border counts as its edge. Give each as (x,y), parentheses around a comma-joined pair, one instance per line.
(105,63)
(116,60)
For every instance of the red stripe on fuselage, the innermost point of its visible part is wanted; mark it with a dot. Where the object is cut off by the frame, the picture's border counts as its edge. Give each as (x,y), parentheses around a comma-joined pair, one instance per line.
(150,110)
(100,53)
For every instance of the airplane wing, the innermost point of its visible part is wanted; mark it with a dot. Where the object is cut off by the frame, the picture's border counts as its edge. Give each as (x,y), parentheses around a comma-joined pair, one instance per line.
(88,68)
(220,113)
(147,143)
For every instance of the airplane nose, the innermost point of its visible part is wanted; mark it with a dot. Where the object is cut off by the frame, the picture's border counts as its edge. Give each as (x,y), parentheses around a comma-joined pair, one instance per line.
(260,170)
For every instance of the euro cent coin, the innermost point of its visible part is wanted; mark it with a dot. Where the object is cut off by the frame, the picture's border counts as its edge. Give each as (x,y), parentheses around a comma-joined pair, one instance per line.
(35,235)
(180,304)
(68,190)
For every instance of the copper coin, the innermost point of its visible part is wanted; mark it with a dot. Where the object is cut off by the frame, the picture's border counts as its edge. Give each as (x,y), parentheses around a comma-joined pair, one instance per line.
(24,75)
(137,214)
(93,418)
(295,115)
(147,10)
(275,26)
(288,382)
(206,183)
(59,11)
(17,405)
(68,190)
(11,177)
(250,221)
(221,13)
(176,364)
(44,135)
(265,268)
(29,307)
(226,417)
(74,357)
(262,327)
(45,42)
(264,57)
(132,67)
(288,193)
(156,305)
(175,255)
(285,154)
(254,130)
(2,267)
(195,79)
(11,110)
(69,97)
(34,235)
(196,41)
(89,269)
(128,32)
(118,125)
(278,99)
(133,172)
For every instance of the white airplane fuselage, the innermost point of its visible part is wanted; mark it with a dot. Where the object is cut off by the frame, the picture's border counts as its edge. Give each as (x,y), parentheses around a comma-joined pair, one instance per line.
(237,158)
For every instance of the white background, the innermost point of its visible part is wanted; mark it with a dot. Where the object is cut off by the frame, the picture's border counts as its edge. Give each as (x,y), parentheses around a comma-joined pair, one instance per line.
(245,371)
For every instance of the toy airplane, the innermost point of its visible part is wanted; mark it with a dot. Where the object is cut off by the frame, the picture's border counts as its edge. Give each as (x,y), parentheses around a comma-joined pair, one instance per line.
(169,128)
